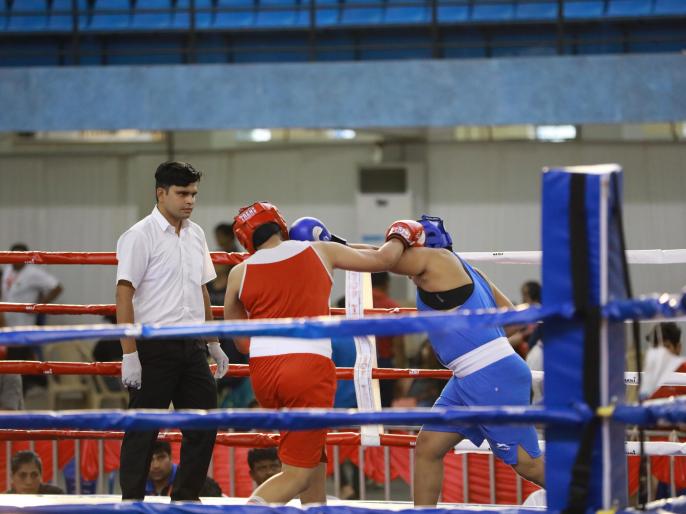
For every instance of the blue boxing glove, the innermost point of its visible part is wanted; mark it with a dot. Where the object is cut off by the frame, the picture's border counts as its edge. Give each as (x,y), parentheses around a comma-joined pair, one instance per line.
(312,229)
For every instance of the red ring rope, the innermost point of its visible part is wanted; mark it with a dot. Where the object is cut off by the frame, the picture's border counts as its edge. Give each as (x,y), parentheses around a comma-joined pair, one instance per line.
(235,370)
(247,440)
(102,258)
(110,309)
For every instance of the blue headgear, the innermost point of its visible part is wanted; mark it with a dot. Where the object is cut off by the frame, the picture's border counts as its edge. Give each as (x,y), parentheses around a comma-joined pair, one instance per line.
(436,234)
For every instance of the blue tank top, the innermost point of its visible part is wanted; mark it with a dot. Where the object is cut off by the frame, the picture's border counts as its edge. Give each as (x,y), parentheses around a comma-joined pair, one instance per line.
(451,345)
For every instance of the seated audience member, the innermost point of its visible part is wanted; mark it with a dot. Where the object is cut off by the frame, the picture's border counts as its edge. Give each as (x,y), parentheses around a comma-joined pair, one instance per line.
(390,350)
(524,338)
(264,463)
(343,355)
(667,334)
(27,475)
(11,392)
(425,390)
(109,350)
(163,471)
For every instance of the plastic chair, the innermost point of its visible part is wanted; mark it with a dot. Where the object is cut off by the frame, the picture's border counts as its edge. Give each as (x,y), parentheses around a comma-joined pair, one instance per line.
(152,20)
(496,12)
(584,9)
(236,14)
(327,12)
(362,12)
(28,16)
(117,15)
(67,387)
(536,11)
(628,8)
(204,14)
(452,12)
(278,13)
(397,13)
(61,19)
(670,7)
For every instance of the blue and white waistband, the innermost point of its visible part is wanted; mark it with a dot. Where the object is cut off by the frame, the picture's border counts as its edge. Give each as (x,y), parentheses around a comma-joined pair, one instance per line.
(480,357)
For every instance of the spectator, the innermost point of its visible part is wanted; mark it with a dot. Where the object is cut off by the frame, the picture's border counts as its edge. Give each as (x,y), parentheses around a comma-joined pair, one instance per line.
(524,338)
(343,355)
(264,463)
(27,475)
(226,240)
(11,395)
(426,390)
(390,350)
(163,471)
(109,350)
(27,283)
(667,334)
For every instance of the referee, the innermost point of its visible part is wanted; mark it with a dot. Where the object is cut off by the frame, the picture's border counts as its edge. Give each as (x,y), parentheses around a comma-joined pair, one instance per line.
(164,264)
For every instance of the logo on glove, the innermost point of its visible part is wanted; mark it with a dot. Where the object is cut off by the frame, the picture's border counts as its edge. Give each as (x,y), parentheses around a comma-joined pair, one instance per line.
(402,231)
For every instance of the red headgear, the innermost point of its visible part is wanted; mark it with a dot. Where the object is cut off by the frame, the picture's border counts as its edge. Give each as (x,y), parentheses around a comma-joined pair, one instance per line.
(254,216)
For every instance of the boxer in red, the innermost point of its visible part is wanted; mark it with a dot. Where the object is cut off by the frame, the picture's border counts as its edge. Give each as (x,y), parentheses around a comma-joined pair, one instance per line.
(284,279)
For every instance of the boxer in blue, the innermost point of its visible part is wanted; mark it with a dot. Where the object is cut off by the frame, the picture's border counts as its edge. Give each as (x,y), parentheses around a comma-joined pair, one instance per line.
(486,370)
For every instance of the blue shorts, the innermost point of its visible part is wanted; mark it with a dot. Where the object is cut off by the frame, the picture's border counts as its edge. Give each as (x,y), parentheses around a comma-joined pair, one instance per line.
(505,382)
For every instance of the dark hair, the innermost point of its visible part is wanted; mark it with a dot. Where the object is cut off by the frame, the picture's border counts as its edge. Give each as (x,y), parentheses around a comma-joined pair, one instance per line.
(340,303)
(161,447)
(176,173)
(534,290)
(19,247)
(225,228)
(25,457)
(380,279)
(671,333)
(264,232)
(256,455)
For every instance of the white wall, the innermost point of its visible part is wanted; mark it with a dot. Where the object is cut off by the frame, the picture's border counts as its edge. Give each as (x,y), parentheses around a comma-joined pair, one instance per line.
(488,193)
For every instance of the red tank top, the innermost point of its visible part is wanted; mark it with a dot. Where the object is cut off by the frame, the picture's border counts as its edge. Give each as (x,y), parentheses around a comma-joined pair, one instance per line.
(288,281)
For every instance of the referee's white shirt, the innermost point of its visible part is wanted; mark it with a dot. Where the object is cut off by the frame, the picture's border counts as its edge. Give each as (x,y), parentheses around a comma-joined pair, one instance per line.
(166,269)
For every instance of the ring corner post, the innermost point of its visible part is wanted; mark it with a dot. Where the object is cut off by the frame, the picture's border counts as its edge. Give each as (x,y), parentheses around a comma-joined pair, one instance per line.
(584,356)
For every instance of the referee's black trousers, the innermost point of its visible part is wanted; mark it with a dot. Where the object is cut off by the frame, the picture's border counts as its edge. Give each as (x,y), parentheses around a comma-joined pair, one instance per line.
(173,371)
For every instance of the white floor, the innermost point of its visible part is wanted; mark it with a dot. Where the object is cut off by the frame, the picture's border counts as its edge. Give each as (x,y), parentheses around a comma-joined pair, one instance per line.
(32,500)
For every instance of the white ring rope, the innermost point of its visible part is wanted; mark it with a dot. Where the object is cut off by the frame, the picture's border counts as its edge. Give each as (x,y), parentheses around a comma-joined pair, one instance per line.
(673,379)
(653,448)
(677,256)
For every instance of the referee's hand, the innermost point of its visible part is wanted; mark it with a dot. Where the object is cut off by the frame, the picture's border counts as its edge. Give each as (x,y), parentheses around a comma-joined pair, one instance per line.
(220,358)
(131,370)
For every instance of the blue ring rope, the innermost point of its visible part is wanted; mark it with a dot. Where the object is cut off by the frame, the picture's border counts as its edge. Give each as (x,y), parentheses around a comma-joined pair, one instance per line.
(317,328)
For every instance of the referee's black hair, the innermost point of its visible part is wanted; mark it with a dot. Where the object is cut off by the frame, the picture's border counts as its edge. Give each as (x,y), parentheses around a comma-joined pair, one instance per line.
(176,173)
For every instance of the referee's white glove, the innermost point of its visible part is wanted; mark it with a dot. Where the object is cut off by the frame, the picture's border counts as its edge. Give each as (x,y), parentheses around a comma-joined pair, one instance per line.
(220,358)
(131,370)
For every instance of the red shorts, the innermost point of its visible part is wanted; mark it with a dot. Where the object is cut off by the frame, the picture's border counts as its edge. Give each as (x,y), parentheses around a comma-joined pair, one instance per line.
(295,381)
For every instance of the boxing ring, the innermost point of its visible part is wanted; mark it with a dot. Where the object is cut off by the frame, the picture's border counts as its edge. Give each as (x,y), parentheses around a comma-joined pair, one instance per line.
(587,301)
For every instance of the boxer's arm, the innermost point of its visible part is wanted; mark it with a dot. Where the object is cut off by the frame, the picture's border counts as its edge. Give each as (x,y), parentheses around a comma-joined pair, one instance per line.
(233,307)
(413,262)
(343,257)
(124,296)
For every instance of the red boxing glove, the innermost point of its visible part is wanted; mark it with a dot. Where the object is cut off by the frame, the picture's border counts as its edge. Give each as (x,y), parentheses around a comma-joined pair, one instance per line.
(410,232)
